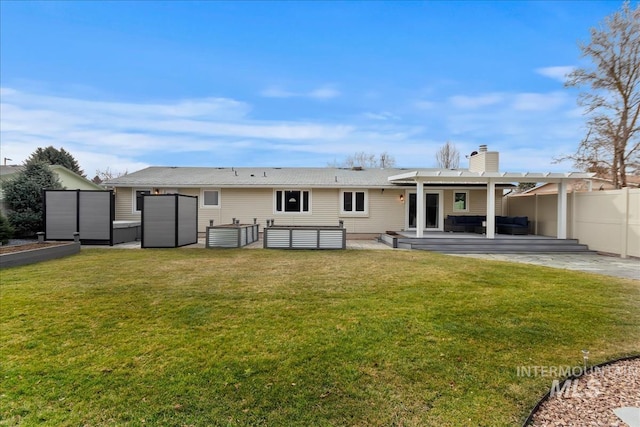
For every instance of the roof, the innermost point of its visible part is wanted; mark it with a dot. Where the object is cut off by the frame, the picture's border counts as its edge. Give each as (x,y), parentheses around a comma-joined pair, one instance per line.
(181,177)
(6,170)
(67,177)
(185,177)
(597,184)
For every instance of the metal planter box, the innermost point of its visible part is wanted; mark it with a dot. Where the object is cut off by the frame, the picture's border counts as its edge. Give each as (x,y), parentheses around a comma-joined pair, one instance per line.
(305,237)
(231,235)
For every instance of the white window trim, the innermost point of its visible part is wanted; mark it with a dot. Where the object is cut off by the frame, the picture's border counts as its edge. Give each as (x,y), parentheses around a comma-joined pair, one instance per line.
(133,199)
(466,192)
(275,203)
(354,212)
(202,205)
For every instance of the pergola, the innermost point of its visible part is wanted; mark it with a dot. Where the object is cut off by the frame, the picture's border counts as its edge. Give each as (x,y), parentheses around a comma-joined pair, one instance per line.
(490,179)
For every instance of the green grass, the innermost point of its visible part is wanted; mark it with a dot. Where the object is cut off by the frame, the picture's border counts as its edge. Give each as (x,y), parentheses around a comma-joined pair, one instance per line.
(296,338)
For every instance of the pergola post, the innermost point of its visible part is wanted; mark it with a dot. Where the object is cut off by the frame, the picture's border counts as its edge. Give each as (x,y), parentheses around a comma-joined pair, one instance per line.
(562,210)
(420,209)
(491,209)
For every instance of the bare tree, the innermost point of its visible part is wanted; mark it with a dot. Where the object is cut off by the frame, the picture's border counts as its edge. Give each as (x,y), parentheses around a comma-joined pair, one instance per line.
(448,156)
(366,160)
(612,102)
(106,175)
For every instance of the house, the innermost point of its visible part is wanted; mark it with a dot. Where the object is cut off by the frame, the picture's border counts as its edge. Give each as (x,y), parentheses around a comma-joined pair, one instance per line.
(367,201)
(69,180)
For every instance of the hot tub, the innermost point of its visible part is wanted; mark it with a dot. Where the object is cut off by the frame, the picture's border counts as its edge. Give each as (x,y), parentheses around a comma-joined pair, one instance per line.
(126,231)
(305,237)
(231,235)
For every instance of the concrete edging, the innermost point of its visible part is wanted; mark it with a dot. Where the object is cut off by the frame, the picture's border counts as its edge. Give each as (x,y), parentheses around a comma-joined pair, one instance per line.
(33,256)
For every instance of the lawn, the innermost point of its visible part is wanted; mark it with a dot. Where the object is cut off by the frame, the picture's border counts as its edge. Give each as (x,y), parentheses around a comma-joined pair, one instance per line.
(296,338)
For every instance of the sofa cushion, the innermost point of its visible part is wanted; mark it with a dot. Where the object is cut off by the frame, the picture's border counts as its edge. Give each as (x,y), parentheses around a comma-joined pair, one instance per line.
(521,220)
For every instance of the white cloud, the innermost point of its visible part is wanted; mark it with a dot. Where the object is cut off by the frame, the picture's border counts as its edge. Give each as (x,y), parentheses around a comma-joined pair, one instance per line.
(474,102)
(222,132)
(539,101)
(424,105)
(557,73)
(323,92)
(382,116)
(277,92)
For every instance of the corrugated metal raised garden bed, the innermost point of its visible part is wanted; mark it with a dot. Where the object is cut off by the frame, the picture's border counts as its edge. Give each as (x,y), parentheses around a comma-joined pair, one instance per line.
(305,237)
(231,235)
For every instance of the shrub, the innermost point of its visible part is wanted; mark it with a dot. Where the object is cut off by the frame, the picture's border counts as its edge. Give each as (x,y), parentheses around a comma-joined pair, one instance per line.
(23,196)
(6,231)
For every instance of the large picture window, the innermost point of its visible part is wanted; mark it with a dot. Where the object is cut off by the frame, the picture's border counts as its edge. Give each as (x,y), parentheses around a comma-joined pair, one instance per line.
(292,201)
(354,202)
(461,201)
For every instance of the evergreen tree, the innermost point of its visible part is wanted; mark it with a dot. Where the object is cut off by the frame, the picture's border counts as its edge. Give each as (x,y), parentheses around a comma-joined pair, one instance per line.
(23,196)
(53,156)
(6,231)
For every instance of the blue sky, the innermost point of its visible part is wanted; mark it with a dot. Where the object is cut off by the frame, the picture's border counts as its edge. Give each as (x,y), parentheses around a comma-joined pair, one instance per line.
(125,85)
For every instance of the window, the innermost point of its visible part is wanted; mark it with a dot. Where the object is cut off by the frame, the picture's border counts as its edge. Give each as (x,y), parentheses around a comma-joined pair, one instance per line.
(292,201)
(210,198)
(354,202)
(138,199)
(461,201)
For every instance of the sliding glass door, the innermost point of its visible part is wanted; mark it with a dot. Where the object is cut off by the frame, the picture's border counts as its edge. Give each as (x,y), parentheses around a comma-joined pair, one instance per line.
(432,210)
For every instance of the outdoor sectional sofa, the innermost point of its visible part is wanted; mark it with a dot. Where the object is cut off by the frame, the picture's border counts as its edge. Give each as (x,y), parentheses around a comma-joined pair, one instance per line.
(472,223)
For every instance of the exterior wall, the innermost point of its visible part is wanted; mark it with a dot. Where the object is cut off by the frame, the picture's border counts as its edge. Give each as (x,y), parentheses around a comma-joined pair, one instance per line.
(71,181)
(542,211)
(606,221)
(485,161)
(124,205)
(477,202)
(385,210)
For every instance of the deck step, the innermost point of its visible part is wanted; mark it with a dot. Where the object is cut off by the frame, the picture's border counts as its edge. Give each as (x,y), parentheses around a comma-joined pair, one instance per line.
(506,249)
(495,246)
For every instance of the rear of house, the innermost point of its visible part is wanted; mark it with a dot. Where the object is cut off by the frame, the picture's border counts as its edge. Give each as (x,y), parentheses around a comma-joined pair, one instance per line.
(366,201)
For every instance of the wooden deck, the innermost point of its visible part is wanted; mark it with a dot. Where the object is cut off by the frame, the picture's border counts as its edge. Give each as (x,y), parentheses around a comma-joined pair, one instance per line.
(446,242)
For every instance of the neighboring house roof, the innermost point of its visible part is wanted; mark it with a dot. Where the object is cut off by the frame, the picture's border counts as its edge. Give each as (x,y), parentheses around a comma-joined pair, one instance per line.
(69,179)
(6,170)
(72,181)
(597,184)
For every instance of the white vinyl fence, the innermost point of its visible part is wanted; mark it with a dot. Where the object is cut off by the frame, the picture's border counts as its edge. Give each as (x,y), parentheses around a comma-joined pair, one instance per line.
(606,221)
